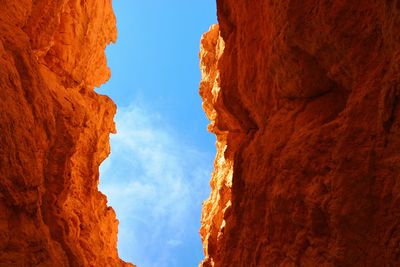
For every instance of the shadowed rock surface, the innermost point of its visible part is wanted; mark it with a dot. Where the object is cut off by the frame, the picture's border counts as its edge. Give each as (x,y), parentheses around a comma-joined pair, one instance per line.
(303,97)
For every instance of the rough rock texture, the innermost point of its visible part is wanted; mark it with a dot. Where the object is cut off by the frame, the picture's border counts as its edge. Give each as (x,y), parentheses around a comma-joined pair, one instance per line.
(54,133)
(304,98)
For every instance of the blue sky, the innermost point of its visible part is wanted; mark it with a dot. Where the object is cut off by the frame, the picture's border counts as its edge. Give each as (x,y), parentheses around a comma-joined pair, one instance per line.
(161,158)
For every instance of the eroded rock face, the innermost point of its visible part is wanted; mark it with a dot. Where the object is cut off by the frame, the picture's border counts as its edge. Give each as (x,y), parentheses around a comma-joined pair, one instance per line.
(303,97)
(54,134)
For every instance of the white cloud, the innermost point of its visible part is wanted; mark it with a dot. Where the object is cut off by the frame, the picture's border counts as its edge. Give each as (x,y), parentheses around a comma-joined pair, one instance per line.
(156,185)
(174,242)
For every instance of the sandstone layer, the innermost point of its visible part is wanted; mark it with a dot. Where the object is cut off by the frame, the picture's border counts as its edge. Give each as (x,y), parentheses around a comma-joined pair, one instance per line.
(303,96)
(55,133)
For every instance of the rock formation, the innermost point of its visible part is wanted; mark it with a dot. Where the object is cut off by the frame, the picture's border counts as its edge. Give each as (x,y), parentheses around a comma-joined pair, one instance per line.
(303,96)
(55,133)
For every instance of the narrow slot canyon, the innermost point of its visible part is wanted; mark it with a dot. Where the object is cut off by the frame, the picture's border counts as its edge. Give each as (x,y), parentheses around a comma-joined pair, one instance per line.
(104,155)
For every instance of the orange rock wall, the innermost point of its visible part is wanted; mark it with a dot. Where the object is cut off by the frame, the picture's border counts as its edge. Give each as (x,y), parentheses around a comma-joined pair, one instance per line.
(54,133)
(303,96)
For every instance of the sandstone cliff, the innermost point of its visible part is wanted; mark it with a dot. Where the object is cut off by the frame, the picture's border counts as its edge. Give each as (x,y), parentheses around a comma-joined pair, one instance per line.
(303,96)
(54,134)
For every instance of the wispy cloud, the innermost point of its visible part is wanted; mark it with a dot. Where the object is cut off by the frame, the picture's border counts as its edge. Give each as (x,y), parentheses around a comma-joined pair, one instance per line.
(156,185)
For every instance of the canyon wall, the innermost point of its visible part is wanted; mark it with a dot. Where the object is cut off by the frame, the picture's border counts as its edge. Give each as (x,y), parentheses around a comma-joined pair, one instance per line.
(303,97)
(55,133)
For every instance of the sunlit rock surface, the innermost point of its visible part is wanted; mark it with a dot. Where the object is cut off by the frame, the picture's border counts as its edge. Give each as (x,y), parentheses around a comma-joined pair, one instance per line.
(54,134)
(303,97)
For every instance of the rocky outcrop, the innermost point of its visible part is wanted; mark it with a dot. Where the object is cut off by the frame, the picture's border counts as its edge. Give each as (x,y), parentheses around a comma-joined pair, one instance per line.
(303,97)
(54,134)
